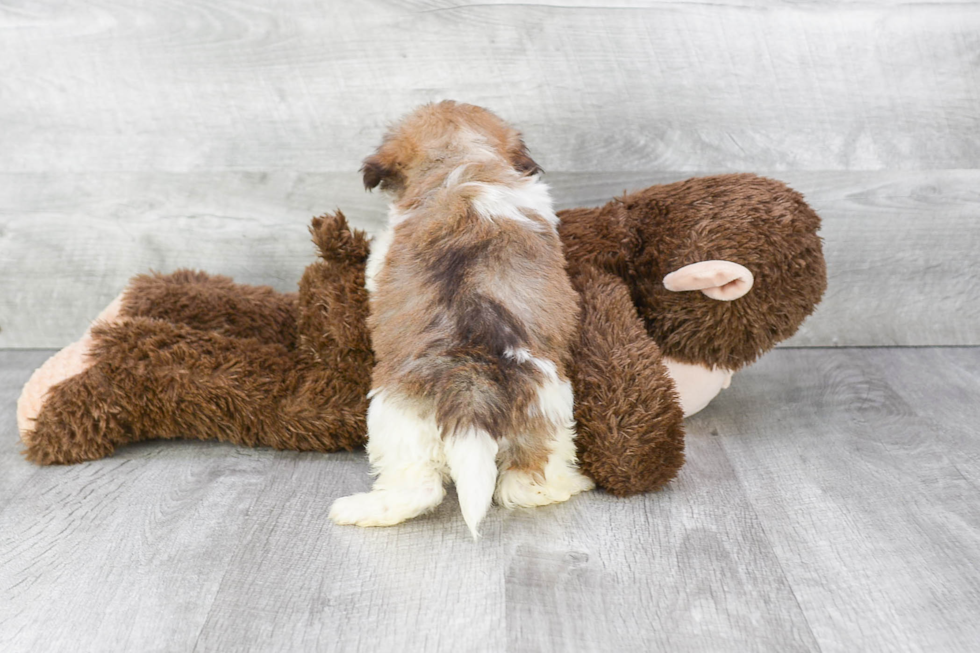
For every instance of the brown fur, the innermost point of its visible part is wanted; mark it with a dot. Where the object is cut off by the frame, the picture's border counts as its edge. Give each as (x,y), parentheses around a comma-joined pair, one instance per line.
(414,151)
(460,290)
(757,222)
(225,364)
(210,302)
(630,432)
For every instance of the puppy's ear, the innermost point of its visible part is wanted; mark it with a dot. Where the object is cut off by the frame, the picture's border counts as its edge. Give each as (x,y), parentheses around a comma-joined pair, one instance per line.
(374,172)
(523,162)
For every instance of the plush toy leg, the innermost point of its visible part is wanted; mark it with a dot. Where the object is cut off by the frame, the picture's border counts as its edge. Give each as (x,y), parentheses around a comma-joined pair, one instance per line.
(149,378)
(210,302)
(196,299)
(630,424)
(73,359)
(155,379)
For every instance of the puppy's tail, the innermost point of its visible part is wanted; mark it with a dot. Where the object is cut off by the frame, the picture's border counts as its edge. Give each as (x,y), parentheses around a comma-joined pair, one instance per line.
(472,458)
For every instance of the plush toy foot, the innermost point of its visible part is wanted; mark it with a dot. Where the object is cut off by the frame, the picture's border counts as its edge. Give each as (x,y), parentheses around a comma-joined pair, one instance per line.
(696,385)
(76,424)
(721,280)
(69,362)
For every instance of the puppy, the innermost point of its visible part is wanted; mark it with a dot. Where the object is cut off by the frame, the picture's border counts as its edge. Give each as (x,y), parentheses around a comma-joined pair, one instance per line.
(472,315)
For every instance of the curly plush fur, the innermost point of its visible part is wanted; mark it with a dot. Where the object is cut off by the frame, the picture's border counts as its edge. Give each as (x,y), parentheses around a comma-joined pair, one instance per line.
(193,355)
(757,222)
(197,356)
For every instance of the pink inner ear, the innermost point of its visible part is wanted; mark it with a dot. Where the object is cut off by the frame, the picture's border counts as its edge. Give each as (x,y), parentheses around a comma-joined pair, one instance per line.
(721,280)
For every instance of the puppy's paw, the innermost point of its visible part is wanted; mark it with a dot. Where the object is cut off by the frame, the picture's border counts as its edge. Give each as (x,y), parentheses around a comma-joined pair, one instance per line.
(385,507)
(519,489)
(573,481)
(364,509)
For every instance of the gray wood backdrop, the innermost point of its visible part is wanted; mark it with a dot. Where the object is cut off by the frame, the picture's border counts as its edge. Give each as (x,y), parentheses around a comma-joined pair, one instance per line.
(160,134)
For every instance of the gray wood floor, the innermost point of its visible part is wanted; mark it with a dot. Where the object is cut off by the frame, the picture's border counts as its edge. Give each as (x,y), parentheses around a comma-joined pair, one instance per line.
(831,502)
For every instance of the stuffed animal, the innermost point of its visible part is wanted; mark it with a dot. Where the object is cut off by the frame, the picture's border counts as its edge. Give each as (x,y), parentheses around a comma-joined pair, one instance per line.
(680,285)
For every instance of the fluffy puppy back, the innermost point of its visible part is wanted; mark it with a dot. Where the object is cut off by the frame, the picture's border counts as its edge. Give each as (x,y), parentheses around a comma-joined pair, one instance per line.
(473,312)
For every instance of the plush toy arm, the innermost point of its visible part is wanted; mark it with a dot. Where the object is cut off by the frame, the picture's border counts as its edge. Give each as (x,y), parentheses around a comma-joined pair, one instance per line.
(630,432)
(336,241)
(155,379)
(213,303)
(721,280)
(333,302)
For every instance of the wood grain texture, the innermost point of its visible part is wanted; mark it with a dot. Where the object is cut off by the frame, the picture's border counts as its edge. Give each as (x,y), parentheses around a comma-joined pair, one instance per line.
(123,555)
(852,482)
(901,246)
(309,85)
(830,503)
(13,473)
(944,388)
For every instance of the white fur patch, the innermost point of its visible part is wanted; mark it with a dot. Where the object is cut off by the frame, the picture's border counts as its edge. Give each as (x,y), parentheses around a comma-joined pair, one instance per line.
(472,460)
(380,245)
(555,398)
(403,446)
(406,454)
(411,461)
(507,201)
(562,478)
(521,354)
(555,402)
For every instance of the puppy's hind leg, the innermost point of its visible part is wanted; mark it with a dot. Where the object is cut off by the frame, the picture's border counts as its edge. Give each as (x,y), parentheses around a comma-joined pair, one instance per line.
(406,453)
(557,478)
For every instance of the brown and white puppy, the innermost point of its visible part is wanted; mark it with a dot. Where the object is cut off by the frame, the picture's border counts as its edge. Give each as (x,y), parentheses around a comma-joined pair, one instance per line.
(472,315)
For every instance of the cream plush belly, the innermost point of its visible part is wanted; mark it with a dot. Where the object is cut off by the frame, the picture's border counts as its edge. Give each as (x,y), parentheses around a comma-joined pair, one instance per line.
(696,385)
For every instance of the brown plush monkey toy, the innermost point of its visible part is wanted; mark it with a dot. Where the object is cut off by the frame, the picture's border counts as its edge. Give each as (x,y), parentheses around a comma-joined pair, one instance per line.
(681,285)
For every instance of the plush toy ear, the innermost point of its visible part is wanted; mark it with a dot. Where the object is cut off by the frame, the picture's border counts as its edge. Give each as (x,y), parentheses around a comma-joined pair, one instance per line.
(523,162)
(374,172)
(721,280)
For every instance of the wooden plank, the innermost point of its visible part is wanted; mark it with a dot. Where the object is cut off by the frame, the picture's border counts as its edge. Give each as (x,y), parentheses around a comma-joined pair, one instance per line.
(299,582)
(681,570)
(123,554)
(385,582)
(901,251)
(98,86)
(68,245)
(870,518)
(687,569)
(900,245)
(943,385)
(15,368)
